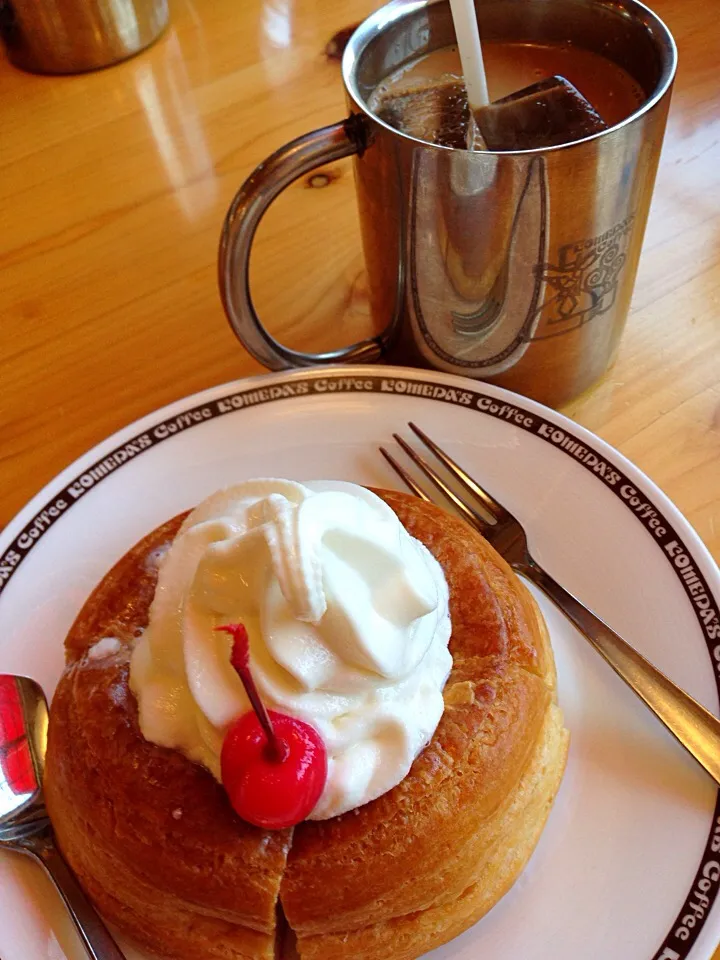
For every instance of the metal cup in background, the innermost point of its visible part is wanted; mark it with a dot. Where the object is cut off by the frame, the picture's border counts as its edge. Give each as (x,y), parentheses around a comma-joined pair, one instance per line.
(513,267)
(72,36)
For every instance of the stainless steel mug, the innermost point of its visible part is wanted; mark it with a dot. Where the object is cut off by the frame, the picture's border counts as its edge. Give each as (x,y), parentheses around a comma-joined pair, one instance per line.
(514,267)
(72,36)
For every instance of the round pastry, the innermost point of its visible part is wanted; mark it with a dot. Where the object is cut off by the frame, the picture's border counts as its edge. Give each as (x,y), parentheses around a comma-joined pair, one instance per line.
(157,846)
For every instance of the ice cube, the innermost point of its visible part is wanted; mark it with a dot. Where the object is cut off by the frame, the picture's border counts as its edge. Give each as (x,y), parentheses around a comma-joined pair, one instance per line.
(436,113)
(545,114)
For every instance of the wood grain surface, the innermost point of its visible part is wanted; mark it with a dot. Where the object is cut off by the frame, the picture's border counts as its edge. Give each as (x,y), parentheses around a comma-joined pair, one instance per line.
(113,190)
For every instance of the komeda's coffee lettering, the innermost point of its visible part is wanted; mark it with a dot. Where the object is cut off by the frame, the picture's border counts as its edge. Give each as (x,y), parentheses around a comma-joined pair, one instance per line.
(249,398)
(697,590)
(110,463)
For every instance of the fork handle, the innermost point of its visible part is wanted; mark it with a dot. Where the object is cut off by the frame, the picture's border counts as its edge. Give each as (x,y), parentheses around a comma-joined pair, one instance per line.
(95,936)
(694,726)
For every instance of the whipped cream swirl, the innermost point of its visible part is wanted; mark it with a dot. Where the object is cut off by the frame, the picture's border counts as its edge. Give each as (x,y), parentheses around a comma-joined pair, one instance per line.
(348,621)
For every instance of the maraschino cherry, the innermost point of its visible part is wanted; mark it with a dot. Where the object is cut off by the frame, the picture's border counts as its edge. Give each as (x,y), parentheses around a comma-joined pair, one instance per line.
(273,766)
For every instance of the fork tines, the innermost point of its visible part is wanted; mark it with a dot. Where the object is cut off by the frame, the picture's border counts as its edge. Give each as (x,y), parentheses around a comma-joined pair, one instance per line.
(492,510)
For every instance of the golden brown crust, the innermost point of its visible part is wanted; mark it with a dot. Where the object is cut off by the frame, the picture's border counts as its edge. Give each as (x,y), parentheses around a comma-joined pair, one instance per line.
(166,819)
(510,839)
(158,847)
(352,871)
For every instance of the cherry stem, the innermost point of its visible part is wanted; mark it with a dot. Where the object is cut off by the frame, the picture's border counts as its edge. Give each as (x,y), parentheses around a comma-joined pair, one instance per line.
(240,659)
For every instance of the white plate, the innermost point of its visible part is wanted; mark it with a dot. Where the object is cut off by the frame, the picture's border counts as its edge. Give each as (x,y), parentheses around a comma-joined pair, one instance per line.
(625,868)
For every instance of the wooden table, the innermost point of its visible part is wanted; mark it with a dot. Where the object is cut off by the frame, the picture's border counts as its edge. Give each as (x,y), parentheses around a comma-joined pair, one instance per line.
(113,189)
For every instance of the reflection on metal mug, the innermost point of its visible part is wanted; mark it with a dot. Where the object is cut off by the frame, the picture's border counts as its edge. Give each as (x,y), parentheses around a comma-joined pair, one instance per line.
(473,299)
(513,267)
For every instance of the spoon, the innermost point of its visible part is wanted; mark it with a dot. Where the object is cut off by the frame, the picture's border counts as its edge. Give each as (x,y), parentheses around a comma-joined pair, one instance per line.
(24,823)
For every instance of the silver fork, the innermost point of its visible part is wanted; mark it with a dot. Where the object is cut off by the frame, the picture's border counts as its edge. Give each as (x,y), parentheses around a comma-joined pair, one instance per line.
(694,726)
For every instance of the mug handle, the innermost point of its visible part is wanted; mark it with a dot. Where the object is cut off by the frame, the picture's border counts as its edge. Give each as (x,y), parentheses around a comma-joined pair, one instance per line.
(251,201)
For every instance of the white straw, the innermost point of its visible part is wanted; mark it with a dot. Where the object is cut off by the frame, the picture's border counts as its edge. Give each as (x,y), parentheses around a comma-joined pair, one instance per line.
(468,41)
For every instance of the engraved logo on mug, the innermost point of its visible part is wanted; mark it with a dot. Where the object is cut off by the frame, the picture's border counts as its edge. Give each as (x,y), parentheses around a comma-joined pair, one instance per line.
(583,283)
